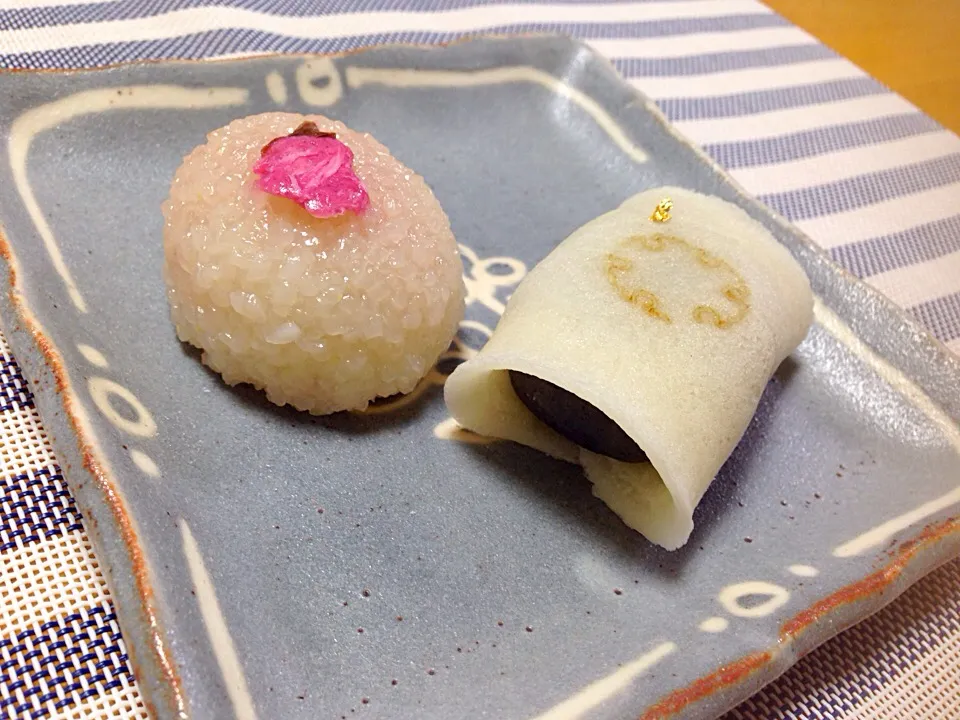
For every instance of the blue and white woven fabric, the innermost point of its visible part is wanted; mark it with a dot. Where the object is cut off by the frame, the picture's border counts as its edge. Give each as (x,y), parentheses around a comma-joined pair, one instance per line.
(862,171)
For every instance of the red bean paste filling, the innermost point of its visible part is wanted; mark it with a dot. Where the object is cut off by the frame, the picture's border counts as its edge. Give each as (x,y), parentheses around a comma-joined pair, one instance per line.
(575,419)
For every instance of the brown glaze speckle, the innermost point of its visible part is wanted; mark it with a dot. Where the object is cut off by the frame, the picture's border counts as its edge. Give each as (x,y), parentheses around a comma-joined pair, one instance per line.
(732,674)
(94,466)
(726,676)
(870,585)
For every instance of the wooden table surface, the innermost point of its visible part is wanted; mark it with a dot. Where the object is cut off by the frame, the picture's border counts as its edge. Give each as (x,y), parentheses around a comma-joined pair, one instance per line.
(913,46)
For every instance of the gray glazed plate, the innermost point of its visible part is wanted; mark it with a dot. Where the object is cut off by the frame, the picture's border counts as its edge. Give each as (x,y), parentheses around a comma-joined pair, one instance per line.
(521,596)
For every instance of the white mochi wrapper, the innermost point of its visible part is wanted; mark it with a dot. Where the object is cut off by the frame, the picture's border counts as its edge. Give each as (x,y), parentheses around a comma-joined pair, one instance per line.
(684,390)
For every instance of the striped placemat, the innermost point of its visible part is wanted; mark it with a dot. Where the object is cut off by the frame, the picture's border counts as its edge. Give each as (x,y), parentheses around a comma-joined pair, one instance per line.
(862,171)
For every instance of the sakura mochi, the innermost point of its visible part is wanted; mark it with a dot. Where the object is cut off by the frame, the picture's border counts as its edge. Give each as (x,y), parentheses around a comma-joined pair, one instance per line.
(301,257)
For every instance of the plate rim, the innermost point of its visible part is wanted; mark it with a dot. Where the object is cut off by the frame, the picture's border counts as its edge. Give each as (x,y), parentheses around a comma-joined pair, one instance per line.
(915,556)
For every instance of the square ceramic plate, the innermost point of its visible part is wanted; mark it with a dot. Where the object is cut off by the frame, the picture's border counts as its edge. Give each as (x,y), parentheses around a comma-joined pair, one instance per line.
(238,596)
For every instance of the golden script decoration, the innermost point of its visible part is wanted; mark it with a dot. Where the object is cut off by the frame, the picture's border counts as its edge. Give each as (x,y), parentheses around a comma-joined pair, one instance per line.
(629,257)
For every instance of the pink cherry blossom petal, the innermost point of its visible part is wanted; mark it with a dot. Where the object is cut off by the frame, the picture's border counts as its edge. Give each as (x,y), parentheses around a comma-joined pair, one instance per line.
(313,169)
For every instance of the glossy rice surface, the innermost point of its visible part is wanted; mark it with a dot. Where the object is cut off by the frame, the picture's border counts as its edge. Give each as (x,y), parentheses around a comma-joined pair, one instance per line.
(322,314)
